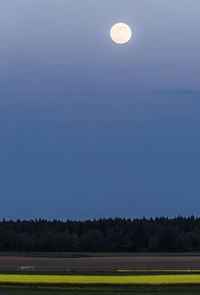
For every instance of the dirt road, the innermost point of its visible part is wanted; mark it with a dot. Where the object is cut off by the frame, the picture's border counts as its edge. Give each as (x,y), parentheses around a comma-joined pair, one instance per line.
(103,263)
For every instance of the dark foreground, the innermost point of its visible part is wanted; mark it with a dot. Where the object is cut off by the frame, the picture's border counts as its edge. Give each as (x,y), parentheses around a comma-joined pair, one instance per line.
(60,292)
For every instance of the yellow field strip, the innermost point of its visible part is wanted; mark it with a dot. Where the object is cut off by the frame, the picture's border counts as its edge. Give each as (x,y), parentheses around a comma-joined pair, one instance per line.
(96,280)
(158,270)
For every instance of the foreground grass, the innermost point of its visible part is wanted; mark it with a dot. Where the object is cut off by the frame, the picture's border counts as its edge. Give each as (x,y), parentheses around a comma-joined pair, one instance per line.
(95,254)
(61,292)
(157,272)
(119,272)
(78,280)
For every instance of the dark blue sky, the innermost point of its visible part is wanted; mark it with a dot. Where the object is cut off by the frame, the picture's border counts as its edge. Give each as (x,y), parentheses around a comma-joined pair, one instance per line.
(89,128)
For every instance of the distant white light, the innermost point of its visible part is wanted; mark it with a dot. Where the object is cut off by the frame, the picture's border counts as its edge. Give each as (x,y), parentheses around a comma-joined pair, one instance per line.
(120,33)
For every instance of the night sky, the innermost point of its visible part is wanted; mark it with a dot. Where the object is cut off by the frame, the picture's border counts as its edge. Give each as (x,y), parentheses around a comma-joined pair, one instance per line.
(89,128)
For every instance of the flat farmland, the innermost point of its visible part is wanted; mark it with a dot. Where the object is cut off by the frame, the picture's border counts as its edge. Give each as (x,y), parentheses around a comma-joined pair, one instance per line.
(103,263)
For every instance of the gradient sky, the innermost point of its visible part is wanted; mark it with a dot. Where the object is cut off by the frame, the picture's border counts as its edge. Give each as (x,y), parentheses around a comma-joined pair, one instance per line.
(89,128)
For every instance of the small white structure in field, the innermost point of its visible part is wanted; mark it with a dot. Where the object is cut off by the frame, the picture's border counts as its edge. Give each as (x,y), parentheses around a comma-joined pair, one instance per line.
(26,268)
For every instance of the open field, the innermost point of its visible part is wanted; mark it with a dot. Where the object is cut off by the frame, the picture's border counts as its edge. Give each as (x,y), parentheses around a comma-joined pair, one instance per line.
(127,273)
(99,280)
(16,284)
(64,284)
(103,263)
(96,254)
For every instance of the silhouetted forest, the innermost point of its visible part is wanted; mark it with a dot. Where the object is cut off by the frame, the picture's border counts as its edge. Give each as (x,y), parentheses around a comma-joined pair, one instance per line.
(114,235)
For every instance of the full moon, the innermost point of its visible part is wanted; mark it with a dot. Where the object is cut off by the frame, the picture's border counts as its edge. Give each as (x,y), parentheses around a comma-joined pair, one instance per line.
(120,33)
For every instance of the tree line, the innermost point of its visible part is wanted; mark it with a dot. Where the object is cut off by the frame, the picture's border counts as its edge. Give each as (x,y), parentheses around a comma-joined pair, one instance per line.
(109,235)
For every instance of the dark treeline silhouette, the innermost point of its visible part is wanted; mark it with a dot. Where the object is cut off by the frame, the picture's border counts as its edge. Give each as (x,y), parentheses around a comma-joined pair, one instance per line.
(113,235)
